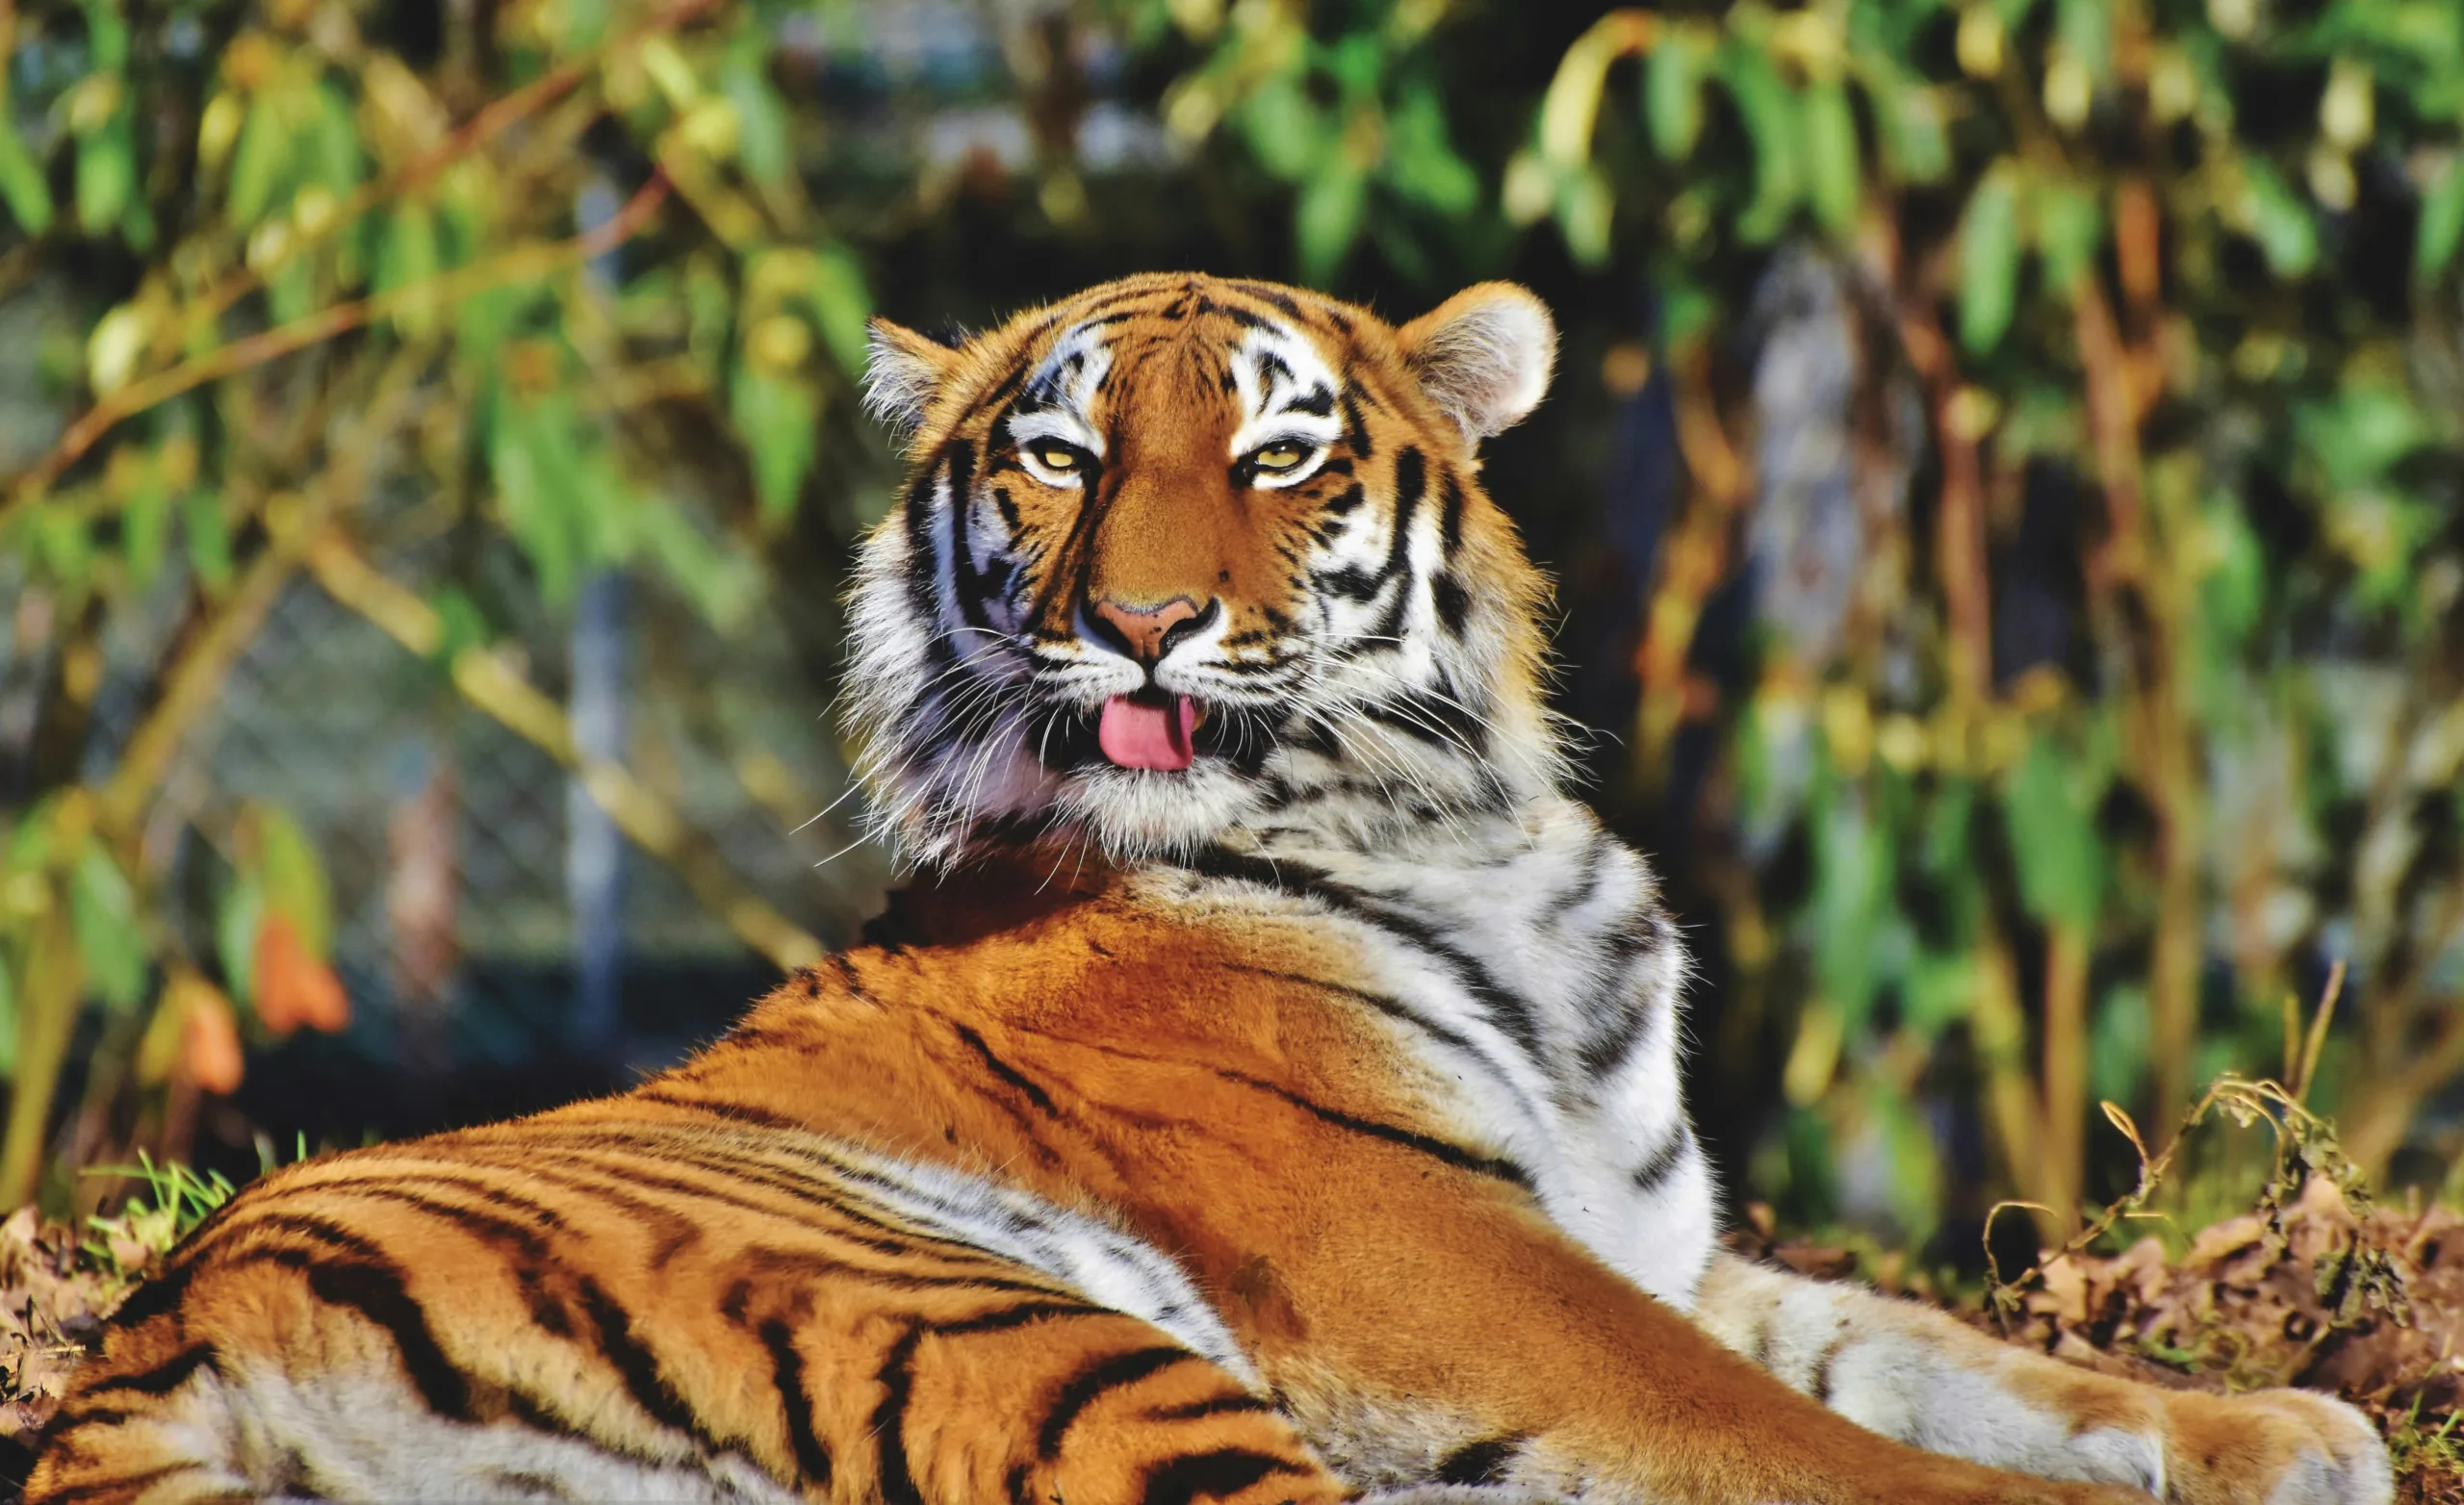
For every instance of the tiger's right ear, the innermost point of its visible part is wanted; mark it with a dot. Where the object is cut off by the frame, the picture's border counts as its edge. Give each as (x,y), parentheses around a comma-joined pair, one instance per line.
(902,371)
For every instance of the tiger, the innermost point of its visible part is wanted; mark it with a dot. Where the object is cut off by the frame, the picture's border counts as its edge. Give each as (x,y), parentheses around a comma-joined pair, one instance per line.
(1266,1091)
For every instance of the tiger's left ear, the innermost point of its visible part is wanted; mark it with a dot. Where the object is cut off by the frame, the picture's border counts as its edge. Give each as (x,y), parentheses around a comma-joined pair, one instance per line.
(1483,356)
(902,371)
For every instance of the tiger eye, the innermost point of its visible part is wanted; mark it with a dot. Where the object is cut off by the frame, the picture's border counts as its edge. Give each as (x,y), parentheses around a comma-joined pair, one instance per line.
(1055,456)
(1280,457)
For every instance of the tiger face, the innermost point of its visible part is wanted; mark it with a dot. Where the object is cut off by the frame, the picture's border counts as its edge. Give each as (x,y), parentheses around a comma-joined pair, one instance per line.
(1184,555)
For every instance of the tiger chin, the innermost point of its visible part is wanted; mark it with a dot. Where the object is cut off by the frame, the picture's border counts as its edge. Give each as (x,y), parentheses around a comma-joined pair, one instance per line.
(1267,1093)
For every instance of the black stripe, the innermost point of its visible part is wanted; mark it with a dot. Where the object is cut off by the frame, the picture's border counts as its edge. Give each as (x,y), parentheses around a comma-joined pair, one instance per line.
(1213,1406)
(1445,1150)
(897,1379)
(1411,481)
(719,1108)
(1215,1475)
(1484,1462)
(378,1293)
(1508,1011)
(1451,519)
(1392,1008)
(1273,296)
(966,583)
(787,1374)
(1089,1386)
(495,1232)
(1674,1151)
(638,1367)
(159,1296)
(1007,1072)
(1819,1384)
(160,1380)
(1355,431)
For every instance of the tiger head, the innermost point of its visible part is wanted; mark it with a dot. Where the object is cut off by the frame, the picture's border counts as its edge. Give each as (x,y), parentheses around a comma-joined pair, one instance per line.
(1183,556)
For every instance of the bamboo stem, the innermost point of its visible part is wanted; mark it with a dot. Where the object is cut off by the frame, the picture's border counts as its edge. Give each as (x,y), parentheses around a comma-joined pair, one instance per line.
(2065,1070)
(54,984)
(2162,742)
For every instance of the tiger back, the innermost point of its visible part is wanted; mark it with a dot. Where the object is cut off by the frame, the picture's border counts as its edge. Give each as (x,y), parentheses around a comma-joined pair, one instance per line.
(1267,1093)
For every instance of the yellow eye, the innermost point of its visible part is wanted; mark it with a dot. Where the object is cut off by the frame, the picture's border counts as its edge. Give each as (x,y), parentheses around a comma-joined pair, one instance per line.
(1060,459)
(1281,457)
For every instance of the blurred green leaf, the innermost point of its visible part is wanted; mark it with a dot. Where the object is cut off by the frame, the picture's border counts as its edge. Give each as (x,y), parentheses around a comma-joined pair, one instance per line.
(2360,434)
(2118,1045)
(209,538)
(406,257)
(530,458)
(1851,878)
(7,1017)
(105,173)
(1939,991)
(145,529)
(21,182)
(762,118)
(2049,806)
(1327,218)
(1287,131)
(260,161)
(776,416)
(2279,220)
(2442,221)
(294,878)
(2085,28)
(1769,110)
(842,307)
(1420,163)
(1586,207)
(2068,229)
(1989,260)
(239,917)
(1673,79)
(1909,127)
(1832,177)
(102,911)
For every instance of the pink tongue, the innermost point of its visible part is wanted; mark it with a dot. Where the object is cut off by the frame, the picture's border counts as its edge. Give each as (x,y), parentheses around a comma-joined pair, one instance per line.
(1136,734)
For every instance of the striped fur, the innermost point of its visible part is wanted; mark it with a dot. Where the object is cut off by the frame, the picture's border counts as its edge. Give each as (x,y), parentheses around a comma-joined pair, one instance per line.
(1300,1124)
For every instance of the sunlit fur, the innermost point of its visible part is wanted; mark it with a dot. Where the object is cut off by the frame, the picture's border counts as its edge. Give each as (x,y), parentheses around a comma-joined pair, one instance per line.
(1377,662)
(1303,1126)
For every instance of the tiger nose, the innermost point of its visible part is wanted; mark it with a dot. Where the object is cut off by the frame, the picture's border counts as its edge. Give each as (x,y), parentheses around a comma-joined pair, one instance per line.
(1148,632)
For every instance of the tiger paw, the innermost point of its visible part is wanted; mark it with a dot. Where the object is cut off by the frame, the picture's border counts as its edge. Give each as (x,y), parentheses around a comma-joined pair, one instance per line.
(2272,1447)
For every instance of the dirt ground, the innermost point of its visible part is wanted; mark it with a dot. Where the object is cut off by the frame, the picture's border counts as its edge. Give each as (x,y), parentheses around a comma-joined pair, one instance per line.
(2308,1301)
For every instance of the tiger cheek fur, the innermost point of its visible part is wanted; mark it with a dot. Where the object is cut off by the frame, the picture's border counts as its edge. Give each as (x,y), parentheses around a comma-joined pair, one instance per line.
(1268,1094)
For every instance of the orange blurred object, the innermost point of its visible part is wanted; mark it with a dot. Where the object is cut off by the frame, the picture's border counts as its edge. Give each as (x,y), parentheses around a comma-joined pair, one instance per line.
(210,1053)
(294,988)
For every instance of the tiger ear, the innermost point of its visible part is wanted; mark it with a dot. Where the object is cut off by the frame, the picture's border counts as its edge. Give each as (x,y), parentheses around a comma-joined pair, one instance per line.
(1483,356)
(902,371)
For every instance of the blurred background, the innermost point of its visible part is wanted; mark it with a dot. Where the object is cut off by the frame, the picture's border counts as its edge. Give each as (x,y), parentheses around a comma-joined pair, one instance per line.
(2003,477)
